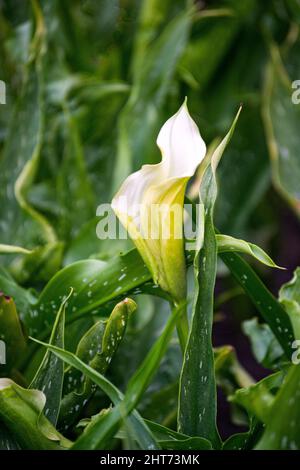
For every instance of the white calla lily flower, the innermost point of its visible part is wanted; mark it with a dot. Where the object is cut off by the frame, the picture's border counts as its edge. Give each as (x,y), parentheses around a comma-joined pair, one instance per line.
(150,202)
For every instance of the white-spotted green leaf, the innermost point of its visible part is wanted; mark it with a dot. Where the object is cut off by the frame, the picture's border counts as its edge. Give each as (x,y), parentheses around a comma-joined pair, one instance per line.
(197,399)
(49,376)
(96,348)
(135,422)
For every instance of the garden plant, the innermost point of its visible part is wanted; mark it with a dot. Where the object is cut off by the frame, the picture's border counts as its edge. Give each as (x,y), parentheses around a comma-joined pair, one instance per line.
(149,225)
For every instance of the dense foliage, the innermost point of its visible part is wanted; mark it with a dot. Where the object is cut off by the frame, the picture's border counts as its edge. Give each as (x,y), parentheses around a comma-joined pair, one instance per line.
(93,359)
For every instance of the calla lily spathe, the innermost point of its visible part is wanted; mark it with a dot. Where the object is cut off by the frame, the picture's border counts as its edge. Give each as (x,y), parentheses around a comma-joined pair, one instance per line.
(150,201)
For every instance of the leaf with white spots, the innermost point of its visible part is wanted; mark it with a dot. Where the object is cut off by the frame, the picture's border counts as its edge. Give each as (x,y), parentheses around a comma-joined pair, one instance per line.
(49,376)
(96,348)
(97,285)
(198,398)
(139,429)
(269,307)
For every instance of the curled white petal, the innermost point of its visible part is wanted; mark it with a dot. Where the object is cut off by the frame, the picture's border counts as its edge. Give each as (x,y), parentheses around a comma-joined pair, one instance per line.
(182,149)
(181,145)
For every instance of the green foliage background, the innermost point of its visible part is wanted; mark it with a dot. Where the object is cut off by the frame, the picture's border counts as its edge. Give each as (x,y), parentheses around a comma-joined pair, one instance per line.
(88,86)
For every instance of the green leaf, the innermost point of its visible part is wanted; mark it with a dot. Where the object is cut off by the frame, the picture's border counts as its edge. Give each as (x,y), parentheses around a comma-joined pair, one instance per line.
(236,442)
(265,346)
(294,7)
(244,440)
(258,399)
(95,284)
(282,426)
(281,118)
(230,244)
(96,348)
(170,439)
(11,249)
(191,443)
(230,374)
(100,431)
(290,299)
(23,298)
(76,196)
(50,374)
(221,32)
(139,429)
(142,377)
(22,412)
(148,93)
(107,425)
(7,441)
(197,399)
(11,333)
(21,157)
(271,310)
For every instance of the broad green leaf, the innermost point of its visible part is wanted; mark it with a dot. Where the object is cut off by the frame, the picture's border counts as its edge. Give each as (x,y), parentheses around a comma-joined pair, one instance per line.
(152,14)
(22,412)
(281,118)
(258,399)
(290,299)
(271,310)
(49,376)
(197,399)
(282,426)
(76,196)
(229,244)
(21,157)
(244,175)
(11,333)
(220,32)
(95,284)
(265,346)
(139,429)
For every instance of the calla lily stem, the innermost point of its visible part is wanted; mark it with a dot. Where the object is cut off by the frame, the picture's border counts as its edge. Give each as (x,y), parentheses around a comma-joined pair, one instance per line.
(182,327)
